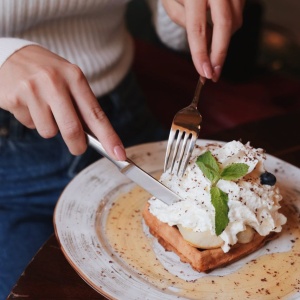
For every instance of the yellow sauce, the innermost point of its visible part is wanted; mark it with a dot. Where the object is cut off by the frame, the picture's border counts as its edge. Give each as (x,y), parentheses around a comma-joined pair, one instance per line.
(273,276)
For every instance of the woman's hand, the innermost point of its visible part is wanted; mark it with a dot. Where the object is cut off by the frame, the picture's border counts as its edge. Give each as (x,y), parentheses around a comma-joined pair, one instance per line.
(46,92)
(208,44)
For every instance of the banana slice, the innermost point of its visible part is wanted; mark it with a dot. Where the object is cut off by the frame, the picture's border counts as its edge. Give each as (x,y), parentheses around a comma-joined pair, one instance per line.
(246,236)
(203,240)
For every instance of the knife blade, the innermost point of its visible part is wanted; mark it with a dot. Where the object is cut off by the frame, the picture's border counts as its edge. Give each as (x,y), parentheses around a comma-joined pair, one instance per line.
(137,175)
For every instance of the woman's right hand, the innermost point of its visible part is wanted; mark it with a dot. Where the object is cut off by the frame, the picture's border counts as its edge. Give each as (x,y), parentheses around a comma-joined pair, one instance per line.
(46,92)
(208,45)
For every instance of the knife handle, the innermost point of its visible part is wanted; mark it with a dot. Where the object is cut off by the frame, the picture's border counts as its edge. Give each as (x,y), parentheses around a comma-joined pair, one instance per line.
(96,145)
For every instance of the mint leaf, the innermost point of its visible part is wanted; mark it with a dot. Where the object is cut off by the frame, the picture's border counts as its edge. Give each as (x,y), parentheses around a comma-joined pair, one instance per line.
(234,171)
(209,166)
(219,200)
(209,161)
(209,173)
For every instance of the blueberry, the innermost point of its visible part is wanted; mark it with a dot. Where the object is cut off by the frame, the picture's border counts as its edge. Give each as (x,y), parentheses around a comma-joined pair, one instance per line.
(267,178)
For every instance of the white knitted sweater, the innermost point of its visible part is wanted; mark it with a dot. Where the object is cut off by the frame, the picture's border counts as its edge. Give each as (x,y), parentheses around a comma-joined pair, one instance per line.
(89,33)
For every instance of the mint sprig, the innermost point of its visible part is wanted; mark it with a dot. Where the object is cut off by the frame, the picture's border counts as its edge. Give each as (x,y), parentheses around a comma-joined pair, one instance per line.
(219,199)
(209,166)
(234,171)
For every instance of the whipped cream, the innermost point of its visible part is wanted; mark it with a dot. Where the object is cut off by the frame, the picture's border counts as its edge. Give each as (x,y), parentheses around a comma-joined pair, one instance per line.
(250,202)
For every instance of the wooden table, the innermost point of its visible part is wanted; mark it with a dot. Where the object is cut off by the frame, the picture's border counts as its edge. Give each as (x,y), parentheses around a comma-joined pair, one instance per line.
(49,275)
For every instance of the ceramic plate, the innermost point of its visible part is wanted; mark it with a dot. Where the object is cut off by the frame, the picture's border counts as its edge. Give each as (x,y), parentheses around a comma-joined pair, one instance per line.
(99,226)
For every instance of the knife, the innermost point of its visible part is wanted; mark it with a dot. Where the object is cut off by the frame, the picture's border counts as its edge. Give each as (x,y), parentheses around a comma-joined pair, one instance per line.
(136,174)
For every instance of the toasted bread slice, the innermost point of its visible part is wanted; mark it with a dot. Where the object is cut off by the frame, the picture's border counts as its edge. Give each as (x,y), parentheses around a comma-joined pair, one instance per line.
(200,260)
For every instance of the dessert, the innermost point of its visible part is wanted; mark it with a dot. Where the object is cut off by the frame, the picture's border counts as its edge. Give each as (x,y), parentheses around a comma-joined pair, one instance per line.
(229,208)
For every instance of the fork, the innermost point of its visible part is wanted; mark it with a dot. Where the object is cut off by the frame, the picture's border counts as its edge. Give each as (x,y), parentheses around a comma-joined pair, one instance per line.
(185,127)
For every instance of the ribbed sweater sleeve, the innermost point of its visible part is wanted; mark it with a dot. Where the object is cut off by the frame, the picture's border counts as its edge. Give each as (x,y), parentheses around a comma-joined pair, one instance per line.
(169,32)
(91,34)
(8,46)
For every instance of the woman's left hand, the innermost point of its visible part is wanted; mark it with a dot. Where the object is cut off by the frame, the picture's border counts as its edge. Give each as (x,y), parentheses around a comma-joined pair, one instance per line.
(208,43)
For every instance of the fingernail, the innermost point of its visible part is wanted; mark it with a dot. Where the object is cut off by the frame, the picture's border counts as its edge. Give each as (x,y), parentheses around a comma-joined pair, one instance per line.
(207,70)
(217,73)
(119,152)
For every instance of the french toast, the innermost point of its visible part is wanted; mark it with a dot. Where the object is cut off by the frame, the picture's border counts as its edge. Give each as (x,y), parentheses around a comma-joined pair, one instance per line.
(200,260)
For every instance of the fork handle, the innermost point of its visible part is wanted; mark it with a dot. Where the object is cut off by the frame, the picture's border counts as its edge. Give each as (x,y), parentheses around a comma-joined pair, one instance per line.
(199,86)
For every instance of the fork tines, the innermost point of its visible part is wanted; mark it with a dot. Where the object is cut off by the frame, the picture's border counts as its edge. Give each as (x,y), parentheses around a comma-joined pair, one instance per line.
(180,147)
(185,127)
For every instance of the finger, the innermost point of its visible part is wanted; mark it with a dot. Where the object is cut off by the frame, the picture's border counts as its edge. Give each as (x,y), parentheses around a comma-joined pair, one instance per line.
(24,117)
(68,122)
(94,117)
(19,104)
(51,100)
(40,112)
(15,105)
(222,30)
(43,120)
(237,7)
(13,101)
(197,36)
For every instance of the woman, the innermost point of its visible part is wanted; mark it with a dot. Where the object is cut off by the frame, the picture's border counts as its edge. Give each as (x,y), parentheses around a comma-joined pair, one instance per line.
(65,66)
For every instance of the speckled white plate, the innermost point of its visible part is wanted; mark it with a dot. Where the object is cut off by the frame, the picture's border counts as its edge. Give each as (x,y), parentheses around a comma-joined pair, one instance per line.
(80,218)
